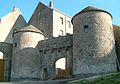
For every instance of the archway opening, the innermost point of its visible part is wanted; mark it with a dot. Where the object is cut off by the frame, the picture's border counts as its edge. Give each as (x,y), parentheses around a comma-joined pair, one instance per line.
(60,68)
(1,55)
(1,66)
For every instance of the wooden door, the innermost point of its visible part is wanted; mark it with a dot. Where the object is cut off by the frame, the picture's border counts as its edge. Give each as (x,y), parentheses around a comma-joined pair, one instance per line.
(1,70)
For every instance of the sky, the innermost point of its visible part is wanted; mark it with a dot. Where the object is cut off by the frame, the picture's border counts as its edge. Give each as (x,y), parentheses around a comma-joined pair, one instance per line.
(70,7)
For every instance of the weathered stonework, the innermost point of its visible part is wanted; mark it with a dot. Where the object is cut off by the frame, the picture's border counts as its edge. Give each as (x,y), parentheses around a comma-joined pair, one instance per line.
(36,47)
(42,19)
(6,48)
(53,49)
(117,42)
(26,62)
(51,21)
(93,43)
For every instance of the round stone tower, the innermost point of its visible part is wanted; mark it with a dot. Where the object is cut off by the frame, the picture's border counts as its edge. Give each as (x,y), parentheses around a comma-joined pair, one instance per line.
(25,56)
(93,43)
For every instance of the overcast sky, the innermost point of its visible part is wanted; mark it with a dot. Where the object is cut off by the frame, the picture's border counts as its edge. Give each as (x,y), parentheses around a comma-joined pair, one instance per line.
(70,7)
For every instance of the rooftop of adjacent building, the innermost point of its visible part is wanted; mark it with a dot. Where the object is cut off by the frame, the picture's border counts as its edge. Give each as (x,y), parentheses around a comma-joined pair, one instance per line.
(6,17)
(51,6)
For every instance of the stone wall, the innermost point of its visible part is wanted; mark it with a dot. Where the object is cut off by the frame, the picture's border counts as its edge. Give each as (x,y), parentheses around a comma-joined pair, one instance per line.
(13,20)
(93,44)
(89,51)
(117,41)
(50,51)
(51,21)
(26,62)
(42,19)
(6,48)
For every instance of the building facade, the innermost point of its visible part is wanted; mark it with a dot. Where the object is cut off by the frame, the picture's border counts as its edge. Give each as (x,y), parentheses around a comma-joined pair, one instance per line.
(86,41)
(51,21)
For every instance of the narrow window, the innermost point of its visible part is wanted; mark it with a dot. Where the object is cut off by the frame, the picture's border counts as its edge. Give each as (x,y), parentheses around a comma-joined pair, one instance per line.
(15,44)
(61,32)
(86,26)
(46,73)
(61,20)
(69,25)
(38,18)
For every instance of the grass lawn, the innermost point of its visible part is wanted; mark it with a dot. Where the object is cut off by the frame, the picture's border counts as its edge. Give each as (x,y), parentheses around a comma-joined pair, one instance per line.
(105,79)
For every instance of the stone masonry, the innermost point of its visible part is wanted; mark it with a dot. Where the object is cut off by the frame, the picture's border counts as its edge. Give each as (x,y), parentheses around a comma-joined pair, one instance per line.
(93,39)
(88,46)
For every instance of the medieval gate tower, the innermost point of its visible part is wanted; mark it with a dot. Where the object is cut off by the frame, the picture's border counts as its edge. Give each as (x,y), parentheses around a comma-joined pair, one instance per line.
(93,42)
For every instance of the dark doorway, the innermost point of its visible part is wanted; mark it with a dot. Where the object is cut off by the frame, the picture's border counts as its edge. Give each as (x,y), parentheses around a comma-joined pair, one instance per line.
(46,73)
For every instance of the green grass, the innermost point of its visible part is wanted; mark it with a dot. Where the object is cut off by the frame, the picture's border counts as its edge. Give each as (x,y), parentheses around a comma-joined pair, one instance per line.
(108,79)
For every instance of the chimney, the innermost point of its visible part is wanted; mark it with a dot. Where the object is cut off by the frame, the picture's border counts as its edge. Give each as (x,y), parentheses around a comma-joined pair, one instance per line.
(14,8)
(0,20)
(51,4)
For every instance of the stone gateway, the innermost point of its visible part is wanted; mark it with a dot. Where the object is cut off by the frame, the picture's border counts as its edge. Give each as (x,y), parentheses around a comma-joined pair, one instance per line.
(88,42)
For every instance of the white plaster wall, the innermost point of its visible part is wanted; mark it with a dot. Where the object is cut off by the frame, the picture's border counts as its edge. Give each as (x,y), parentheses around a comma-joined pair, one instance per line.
(57,24)
(6,25)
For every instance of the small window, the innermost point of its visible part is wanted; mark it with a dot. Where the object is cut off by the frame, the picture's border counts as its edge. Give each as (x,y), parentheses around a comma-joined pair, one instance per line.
(69,25)
(61,32)
(15,44)
(61,20)
(14,30)
(86,26)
